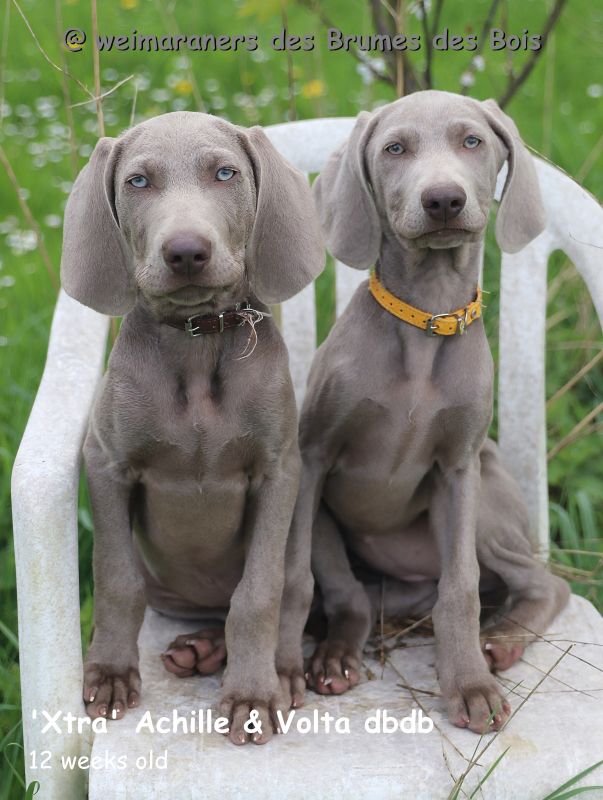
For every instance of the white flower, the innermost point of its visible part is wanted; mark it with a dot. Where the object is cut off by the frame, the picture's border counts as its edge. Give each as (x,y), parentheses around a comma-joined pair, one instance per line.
(467,78)
(595,90)
(160,95)
(20,242)
(365,73)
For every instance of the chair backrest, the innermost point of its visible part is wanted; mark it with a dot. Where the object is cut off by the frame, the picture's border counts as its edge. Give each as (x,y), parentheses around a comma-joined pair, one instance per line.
(575,226)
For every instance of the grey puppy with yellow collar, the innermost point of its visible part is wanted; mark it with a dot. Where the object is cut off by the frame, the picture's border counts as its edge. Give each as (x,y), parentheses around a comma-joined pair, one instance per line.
(192,453)
(398,475)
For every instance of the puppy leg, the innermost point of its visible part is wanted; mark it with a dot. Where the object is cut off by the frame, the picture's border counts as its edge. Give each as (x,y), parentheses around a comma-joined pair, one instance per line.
(472,695)
(297,595)
(111,677)
(251,683)
(335,665)
(535,595)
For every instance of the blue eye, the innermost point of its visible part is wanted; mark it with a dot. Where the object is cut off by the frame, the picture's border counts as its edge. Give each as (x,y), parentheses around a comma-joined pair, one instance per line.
(224,174)
(471,142)
(138,181)
(395,149)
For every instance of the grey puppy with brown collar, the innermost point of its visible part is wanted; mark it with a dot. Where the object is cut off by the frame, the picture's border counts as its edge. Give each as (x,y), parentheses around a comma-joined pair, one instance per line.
(398,474)
(192,454)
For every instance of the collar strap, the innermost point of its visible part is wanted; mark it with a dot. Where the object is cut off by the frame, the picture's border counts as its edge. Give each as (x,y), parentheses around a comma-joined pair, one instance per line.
(434,324)
(213,323)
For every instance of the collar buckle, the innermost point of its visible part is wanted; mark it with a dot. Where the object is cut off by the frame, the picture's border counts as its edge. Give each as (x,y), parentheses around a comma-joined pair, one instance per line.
(432,329)
(191,328)
(462,320)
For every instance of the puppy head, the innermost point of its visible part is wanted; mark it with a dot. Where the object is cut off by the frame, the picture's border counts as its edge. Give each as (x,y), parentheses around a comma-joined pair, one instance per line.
(193,213)
(424,168)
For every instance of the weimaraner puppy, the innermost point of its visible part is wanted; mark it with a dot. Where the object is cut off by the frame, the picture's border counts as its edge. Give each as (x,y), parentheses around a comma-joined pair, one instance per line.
(398,477)
(189,225)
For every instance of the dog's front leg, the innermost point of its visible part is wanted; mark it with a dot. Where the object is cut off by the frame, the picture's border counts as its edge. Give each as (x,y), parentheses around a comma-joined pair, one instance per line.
(472,695)
(111,676)
(251,682)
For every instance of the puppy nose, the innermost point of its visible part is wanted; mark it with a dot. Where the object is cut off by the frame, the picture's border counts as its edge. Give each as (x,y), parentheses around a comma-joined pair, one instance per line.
(445,202)
(186,253)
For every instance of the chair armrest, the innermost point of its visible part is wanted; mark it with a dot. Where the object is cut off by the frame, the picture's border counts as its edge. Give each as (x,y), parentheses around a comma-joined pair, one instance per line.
(45,482)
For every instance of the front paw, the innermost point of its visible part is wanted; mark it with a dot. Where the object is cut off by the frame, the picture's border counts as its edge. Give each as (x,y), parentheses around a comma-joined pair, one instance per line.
(109,691)
(334,668)
(478,705)
(252,711)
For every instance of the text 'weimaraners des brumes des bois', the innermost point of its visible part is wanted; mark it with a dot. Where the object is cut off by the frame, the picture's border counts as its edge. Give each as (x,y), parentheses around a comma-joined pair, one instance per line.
(192,444)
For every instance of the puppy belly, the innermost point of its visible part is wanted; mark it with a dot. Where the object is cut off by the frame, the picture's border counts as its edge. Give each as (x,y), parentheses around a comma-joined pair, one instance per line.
(186,590)
(408,554)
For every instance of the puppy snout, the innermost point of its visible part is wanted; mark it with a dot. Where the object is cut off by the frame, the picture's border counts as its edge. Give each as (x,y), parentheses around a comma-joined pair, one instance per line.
(444,202)
(186,254)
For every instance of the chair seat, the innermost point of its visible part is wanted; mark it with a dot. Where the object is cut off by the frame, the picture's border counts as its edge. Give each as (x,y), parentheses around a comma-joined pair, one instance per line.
(556,733)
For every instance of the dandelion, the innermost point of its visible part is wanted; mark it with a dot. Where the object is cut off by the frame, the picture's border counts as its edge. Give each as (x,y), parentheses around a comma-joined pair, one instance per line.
(595,90)
(183,87)
(313,89)
(129,4)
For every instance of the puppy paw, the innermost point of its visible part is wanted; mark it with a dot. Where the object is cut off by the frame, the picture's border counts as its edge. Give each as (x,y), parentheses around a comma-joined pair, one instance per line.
(253,715)
(108,692)
(478,706)
(334,668)
(500,653)
(201,652)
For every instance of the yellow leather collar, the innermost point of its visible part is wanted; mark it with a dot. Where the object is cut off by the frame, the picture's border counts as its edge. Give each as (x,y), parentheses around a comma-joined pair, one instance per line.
(434,324)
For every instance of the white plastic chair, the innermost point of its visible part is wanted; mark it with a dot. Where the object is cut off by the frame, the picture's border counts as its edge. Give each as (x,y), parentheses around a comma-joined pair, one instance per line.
(553,736)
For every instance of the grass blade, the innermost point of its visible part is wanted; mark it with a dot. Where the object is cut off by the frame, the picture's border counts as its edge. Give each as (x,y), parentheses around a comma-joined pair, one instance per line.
(489,772)
(555,794)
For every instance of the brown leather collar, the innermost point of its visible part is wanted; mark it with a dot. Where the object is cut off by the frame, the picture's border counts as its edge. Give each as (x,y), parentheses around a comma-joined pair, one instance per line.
(212,323)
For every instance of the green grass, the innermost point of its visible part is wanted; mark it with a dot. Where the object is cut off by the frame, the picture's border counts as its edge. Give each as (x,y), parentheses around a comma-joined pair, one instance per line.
(558,110)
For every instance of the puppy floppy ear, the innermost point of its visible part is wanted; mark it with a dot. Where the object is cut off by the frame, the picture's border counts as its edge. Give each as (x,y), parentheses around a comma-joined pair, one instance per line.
(521,216)
(95,256)
(285,250)
(345,200)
